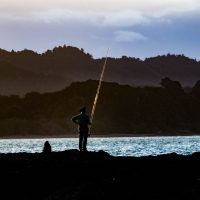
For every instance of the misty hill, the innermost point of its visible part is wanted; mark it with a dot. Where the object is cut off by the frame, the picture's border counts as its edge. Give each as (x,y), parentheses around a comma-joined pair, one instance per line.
(77,65)
(14,80)
(120,109)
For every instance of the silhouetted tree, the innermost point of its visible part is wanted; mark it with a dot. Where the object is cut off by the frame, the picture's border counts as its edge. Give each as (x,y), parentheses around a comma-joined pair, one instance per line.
(90,55)
(174,87)
(48,52)
(32,94)
(196,89)
(14,96)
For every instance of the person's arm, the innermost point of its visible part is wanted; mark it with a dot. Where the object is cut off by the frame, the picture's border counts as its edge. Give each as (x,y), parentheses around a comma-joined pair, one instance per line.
(74,119)
(89,126)
(89,121)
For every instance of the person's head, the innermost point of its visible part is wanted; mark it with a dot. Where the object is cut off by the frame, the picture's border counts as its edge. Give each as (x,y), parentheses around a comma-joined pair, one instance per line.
(46,147)
(46,143)
(82,110)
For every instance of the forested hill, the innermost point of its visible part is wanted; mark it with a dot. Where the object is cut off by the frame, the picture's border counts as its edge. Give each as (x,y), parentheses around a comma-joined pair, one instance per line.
(14,80)
(77,65)
(120,109)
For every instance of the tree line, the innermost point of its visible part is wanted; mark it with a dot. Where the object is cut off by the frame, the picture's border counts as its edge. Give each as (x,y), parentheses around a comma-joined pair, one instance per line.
(120,108)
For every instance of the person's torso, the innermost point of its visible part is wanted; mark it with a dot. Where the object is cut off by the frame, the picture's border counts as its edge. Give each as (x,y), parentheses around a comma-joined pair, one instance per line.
(83,119)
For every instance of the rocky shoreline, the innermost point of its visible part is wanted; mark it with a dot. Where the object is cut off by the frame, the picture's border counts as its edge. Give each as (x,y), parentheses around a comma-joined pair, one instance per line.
(97,175)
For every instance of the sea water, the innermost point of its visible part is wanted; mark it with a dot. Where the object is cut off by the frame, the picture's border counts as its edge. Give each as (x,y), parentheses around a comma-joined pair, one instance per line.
(116,146)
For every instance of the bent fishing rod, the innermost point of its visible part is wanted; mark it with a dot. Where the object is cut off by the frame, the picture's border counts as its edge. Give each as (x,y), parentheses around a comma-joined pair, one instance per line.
(99,86)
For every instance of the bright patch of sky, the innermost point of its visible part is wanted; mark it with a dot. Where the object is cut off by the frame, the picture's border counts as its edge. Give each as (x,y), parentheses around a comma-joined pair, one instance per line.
(137,28)
(127,36)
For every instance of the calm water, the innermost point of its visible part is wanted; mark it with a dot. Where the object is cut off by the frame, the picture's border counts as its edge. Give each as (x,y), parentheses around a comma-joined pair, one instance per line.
(116,146)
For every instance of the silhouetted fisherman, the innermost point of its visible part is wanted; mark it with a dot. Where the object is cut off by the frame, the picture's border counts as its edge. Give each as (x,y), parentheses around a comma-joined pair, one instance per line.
(47,147)
(83,120)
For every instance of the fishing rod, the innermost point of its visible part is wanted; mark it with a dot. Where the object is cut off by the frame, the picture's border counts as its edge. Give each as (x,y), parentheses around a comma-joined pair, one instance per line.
(99,86)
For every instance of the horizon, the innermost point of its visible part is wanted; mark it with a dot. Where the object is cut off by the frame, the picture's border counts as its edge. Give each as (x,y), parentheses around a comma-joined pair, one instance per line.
(137,29)
(40,53)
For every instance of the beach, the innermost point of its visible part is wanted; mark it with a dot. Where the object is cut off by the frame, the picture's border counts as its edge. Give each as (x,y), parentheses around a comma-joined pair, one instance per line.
(97,175)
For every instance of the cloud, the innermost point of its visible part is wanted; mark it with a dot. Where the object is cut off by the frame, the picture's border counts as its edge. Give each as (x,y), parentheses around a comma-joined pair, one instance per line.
(114,13)
(97,6)
(128,36)
(124,18)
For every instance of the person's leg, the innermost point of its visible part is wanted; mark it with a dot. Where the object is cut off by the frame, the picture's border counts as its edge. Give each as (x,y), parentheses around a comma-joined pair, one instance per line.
(85,136)
(80,141)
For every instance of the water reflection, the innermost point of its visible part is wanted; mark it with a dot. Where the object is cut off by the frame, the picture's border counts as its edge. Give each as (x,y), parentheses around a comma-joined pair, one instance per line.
(120,146)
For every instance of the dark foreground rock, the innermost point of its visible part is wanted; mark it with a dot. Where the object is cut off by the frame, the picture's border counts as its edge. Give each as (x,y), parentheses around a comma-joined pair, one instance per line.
(97,175)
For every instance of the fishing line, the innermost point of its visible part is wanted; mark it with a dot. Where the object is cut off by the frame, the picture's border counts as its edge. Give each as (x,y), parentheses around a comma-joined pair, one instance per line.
(101,78)
(99,86)
(173,141)
(170,82)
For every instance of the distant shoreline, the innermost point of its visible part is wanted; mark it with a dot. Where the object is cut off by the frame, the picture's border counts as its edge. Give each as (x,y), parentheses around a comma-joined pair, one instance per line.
(98,136)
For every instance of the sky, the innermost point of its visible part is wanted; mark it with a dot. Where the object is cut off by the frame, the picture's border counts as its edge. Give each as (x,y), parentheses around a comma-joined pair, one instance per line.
(137,28)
